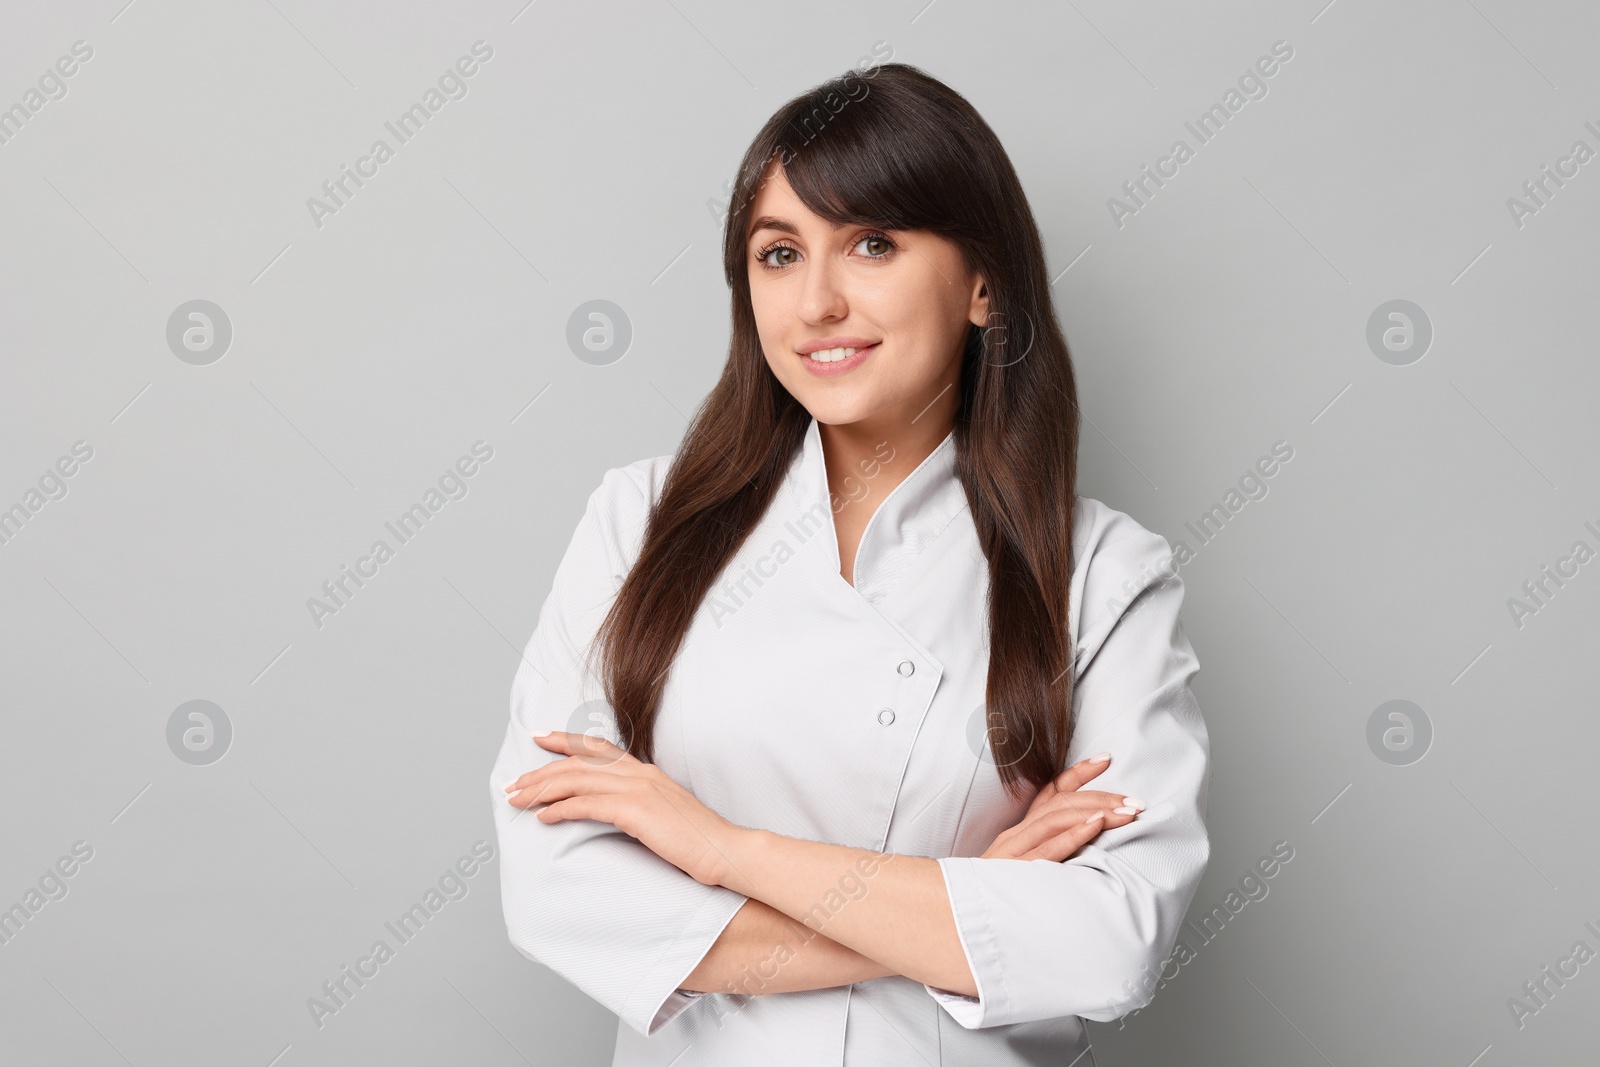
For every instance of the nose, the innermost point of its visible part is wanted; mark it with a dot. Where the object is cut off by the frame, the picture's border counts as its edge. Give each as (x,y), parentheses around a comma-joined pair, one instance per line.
(822,297)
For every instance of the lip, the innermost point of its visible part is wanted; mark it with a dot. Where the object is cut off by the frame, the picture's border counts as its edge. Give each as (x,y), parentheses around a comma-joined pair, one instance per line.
(834,342)
(843,366)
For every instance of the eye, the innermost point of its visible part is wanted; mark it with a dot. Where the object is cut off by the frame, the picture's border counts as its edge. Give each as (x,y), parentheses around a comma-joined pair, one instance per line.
(878,245)
(776,246)
(883,244)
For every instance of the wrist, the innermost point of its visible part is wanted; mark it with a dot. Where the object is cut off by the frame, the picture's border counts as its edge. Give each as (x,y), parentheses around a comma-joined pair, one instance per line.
(735,851)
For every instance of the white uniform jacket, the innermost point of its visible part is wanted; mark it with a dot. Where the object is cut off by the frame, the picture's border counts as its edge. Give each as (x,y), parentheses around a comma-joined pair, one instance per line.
(853,715)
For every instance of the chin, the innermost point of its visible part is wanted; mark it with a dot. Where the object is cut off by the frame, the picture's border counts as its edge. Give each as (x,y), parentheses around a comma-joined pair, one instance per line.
(837,410)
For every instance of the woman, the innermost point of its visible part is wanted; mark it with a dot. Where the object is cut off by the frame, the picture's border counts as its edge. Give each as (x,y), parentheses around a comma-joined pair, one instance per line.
(857,647)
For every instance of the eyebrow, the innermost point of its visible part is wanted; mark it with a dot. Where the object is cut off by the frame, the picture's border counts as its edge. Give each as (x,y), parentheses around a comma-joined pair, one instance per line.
(782,225)
(772,222)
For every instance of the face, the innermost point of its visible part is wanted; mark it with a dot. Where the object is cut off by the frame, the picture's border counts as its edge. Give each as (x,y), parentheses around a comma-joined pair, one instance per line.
(903,299)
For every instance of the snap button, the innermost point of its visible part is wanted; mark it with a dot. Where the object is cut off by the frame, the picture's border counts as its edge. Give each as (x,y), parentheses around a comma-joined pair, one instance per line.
(905,668)
(886,716)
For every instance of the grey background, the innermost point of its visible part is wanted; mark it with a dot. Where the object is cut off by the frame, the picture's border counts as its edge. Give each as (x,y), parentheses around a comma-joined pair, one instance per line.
(431,312)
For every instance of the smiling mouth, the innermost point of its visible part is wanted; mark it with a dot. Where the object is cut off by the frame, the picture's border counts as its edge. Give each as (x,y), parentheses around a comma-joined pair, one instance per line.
(836,355)
(836,362)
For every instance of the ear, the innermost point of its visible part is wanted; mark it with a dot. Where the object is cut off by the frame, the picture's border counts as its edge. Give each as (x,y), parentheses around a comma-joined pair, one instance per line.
(978,307)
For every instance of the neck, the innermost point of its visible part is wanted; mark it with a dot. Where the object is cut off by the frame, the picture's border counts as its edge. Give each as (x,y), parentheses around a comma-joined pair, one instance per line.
(867,459)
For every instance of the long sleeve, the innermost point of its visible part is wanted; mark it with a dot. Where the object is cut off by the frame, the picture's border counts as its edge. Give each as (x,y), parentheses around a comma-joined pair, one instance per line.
(580,896)
(1081,937)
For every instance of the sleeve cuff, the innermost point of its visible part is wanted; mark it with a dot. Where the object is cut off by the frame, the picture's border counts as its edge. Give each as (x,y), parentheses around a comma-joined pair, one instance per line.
(699,936)
(977,944)
(675,1004)
(968,1011)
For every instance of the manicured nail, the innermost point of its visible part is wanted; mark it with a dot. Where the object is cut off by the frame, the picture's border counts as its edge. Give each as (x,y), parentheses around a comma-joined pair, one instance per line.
(1134,802)
(1127,811)
(508,785)
(1101,758)
(547,733)
(1096,815)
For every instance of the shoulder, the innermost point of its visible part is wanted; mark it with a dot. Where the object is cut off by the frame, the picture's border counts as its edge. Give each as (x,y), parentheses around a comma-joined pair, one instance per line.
(1105,538)
(633,485)
(1118,563)
(619,507)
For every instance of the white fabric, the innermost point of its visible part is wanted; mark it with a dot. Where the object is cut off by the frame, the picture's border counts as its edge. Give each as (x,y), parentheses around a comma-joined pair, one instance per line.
(773,715)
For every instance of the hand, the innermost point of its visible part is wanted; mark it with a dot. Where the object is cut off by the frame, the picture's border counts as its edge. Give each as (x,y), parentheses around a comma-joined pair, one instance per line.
(600,781)
(1064,817)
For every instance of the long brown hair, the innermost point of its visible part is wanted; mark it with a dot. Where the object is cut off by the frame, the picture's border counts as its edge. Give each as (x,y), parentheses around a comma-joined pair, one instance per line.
(894,148)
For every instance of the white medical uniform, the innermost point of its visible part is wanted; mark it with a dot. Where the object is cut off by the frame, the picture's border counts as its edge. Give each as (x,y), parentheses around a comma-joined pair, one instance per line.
(853,715)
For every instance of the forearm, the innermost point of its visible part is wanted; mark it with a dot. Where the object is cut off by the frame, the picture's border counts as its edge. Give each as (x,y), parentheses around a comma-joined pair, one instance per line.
(887,908)
(764,951)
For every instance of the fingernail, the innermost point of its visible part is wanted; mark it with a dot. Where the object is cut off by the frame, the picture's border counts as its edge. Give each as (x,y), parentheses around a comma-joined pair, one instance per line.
(508,785)
(1127,811)
(547,733)
(1101,758)
(1096,815)
(1134,802)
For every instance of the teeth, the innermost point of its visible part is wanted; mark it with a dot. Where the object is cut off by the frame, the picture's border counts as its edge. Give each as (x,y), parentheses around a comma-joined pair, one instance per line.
(833,355)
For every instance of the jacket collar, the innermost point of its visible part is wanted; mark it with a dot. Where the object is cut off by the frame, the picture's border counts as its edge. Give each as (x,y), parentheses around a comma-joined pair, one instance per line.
(914,513)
